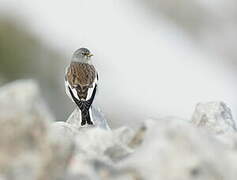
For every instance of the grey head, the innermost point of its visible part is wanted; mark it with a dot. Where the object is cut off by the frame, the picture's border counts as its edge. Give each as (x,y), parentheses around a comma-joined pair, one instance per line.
(82,55)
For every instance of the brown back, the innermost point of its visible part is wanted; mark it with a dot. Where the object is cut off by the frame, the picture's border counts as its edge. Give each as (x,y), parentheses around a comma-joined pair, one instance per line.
(81,74)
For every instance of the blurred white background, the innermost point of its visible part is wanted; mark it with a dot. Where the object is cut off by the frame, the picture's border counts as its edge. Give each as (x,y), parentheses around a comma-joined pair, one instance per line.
(154,57)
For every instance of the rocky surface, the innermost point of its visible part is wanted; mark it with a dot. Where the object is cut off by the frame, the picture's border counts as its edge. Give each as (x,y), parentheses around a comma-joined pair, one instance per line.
(34,147)
(28,149)
(216,116)
(99,119)
(180,151)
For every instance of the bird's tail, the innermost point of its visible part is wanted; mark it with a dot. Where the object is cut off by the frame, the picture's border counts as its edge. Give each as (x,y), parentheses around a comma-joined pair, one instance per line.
(86,117)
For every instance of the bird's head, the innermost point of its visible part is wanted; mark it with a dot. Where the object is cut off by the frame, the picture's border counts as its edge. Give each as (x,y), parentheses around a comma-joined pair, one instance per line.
(82,55)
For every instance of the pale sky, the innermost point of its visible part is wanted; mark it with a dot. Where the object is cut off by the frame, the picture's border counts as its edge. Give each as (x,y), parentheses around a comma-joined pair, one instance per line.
(148,68)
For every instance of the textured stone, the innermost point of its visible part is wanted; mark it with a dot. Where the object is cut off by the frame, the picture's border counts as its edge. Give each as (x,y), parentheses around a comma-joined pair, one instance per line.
(34,147)
(215,116)
(177,150)
(98,117)
(168,148)
(28,149)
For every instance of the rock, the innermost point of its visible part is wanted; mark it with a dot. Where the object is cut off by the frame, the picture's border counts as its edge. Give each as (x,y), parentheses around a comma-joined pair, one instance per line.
(172,150)
(124,134)
(138,137)
(215,116)
(169,148)
(93,143)
(28,149)
(34,147)
(98,116)
(23,97)
(107,171)
(64,129)
(98,142)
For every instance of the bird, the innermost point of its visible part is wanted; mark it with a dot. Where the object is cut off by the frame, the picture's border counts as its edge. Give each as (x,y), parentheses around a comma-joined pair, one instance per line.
(81,80)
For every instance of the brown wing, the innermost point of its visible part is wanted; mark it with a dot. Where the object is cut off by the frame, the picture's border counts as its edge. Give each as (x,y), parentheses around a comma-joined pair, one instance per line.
(81,76)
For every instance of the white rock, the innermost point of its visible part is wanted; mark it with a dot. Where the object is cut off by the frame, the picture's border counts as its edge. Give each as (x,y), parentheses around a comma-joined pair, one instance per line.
(124,134)
(94,143)
(97,142)
(33,147)
(23,96)
(28,149)
(172,150)
(215,116)
(98,117)
(169,148)
(64,129)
